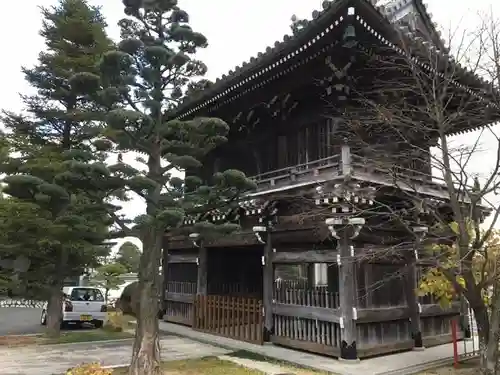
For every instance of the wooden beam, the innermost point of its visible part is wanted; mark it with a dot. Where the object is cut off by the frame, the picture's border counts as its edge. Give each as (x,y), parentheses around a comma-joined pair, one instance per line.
(179,297)
(382,314)
(309,256)
(437,310)
(182,258)
(308,346)
(385,314)
(307,312)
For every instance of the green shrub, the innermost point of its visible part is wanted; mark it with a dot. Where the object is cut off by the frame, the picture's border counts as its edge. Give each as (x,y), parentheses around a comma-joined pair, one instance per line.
(128,302)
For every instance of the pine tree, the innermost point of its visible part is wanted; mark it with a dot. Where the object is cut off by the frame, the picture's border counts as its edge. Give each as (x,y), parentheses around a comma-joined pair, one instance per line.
(108,277)
(129,256)
(56,165)
(142,82)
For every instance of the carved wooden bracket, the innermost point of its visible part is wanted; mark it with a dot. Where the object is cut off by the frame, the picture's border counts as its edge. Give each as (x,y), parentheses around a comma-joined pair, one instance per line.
(246,122)
(281,106)
(337,81)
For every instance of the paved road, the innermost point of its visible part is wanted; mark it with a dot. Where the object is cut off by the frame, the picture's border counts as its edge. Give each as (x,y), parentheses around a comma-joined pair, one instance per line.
(57,359)
(18,321)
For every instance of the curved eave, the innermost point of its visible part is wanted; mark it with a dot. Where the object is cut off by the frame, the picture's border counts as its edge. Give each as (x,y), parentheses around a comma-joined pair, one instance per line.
(248,71)
(245,75)
(467,81)
(430,24)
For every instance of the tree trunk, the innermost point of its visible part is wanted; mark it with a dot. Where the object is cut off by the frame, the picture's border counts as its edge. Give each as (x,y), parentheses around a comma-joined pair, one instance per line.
(146,352)
(482,321)
(54,311)
(489,357)
(487,367)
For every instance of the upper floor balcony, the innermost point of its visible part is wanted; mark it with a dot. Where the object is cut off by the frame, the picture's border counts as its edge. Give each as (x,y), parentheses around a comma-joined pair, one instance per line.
(347,163)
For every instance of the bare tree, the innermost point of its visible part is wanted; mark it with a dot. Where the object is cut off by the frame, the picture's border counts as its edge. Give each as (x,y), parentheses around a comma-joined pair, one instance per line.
(407,126)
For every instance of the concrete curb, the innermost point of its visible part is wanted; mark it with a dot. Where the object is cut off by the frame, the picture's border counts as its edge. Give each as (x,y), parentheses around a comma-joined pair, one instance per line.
(83,343)
(117,366)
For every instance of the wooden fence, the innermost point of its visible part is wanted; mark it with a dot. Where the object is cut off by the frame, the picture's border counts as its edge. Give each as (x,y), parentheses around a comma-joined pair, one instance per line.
(235,317)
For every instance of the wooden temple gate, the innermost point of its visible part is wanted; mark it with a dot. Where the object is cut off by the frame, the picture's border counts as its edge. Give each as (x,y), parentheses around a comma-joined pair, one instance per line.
(217,292)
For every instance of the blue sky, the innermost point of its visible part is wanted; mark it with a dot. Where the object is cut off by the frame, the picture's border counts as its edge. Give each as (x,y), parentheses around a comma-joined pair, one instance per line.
(236,30)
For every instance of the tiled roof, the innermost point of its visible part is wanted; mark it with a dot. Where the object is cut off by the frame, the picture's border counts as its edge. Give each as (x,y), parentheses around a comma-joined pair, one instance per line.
(266,61)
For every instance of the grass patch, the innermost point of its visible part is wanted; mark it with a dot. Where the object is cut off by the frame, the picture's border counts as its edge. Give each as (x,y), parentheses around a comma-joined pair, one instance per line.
(84,336)
(292,367)
(130,321)
(65,338)
(204,366)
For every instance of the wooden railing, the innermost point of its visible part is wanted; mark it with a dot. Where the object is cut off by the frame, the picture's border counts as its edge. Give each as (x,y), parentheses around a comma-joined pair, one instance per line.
(317,296)
(393,170)
(407,178)
(237,318)
(299,173)
(344,163)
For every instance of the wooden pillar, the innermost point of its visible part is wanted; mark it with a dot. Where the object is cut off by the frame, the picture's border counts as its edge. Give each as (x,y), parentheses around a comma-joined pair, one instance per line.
(410,287)
(164,270)
(201,285)
(268,286)
(369,284)
(347,291)
(311,275)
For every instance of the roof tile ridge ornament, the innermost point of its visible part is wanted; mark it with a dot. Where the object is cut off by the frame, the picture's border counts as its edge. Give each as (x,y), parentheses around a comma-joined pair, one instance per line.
(391,8)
